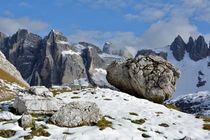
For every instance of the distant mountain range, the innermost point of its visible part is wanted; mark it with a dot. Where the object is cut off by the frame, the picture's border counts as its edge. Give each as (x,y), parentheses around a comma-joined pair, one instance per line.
(52,60)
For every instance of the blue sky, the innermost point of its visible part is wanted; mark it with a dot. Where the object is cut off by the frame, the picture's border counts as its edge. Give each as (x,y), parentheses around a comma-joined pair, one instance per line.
(126,23)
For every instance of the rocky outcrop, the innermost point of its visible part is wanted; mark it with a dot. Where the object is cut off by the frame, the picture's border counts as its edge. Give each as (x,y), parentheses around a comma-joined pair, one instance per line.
(60,64)
(196,103)
(37,103)
(9,73)
(109,48)
(151,52)
(198,49)
(91,61)
(86,45)
(178,48)
(21,49)
(77,114)
(149,77)
(49,61)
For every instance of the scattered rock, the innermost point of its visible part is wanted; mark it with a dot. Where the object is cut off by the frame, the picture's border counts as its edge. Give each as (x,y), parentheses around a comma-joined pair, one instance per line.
(26,121)
(77,114)
(7,116)
(40,91)
(36,104)
(149,77)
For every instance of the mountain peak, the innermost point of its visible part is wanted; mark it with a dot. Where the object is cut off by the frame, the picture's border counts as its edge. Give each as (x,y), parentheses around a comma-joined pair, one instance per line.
(55,35)
(178,47)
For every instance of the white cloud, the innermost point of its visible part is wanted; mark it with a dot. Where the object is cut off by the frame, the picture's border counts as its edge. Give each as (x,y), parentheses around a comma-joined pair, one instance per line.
(119,39)
(163,33)
(11,25)
(112,4)
(24,4)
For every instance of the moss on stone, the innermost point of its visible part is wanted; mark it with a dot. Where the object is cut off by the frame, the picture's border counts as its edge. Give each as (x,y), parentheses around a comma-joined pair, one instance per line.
(103,123)
(140,121)
(7,133)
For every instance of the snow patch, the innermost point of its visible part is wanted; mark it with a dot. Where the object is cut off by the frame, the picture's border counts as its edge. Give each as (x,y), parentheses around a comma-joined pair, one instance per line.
(70,52)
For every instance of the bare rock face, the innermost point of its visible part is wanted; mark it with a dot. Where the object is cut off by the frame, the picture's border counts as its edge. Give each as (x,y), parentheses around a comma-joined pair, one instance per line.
(150,77)
(77,114)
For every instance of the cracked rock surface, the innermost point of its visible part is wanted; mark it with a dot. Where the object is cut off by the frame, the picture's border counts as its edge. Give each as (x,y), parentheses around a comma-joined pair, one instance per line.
(150,77)
(77,114)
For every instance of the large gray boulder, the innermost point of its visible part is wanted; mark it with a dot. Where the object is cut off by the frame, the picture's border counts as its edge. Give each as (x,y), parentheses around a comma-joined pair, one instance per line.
(149,77)
(77,114)
(37,101)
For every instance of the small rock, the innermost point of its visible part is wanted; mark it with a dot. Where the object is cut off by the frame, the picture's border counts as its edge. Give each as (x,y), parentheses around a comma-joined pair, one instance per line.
(40,91)
(26,121)
(7,116)
(77,114)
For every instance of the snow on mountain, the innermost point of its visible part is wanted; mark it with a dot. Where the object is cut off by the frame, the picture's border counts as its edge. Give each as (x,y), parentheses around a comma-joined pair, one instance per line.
(191,73)
(194,103)
(70,52)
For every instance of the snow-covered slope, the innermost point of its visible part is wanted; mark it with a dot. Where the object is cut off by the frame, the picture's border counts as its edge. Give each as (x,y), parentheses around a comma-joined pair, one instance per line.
(122,110)
(195,103)
(190,71)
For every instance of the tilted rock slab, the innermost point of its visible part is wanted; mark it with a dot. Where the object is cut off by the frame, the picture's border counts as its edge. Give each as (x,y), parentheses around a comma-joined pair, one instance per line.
(77,114)
(38,100)
(150,77)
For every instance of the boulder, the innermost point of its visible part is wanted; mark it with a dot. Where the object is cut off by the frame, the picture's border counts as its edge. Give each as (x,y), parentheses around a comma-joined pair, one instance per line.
(149,77)
(77,114)
(7,116)
(34,104)
(40,91)
(25,121)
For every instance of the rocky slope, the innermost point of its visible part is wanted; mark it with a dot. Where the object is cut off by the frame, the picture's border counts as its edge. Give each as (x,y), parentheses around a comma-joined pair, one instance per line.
(131,118)
(10,80)
(195,103)
(9,73)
